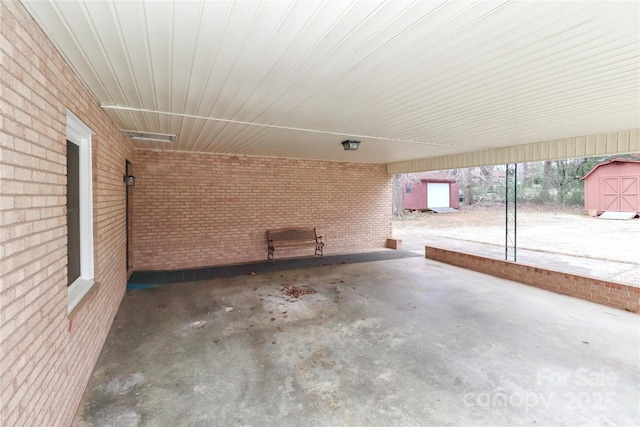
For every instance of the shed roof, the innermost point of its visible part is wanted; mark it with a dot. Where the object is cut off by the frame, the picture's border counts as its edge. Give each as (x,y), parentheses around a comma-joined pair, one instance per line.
(608,163)
(435,177)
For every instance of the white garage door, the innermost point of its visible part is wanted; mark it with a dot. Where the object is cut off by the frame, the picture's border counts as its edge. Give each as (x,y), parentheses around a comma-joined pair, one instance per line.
(437,195)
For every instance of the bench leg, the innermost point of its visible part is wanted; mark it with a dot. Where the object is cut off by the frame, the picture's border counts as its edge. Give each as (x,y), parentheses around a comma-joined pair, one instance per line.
(270,254)
(319,251)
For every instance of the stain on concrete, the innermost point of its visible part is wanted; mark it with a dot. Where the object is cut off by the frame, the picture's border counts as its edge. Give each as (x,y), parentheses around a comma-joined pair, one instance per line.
(119,386)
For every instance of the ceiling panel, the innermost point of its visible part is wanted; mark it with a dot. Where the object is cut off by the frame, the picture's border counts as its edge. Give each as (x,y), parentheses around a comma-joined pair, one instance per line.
(411,79)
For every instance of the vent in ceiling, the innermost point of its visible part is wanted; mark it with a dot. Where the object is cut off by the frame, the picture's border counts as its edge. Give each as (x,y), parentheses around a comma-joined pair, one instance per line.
(149,136)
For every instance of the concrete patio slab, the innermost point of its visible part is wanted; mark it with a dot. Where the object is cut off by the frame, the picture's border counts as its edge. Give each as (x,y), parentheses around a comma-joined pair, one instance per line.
(397,342)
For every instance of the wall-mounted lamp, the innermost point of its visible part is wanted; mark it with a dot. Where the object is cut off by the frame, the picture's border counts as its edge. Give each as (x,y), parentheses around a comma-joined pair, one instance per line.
(130,180)
(350,144)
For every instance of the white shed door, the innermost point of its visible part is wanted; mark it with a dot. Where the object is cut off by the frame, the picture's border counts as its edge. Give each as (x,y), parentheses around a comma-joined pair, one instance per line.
(437,195)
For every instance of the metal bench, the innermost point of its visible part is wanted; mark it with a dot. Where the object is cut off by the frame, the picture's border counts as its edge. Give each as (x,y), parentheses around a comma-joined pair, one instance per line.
(291,238)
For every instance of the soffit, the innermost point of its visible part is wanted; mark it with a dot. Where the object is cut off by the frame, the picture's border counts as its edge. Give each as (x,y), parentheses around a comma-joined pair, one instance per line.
(411,80)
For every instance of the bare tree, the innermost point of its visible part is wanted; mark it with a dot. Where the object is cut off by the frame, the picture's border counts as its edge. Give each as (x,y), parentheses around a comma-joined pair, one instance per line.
(400,181)
(476,182)
(566,173)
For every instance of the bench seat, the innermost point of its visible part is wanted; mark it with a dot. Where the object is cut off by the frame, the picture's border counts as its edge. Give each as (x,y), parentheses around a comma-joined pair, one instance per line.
(291,238)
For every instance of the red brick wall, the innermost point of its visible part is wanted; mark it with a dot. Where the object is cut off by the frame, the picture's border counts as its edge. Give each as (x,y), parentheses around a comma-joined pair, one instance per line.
(46,356)
(588,288)
(202,209)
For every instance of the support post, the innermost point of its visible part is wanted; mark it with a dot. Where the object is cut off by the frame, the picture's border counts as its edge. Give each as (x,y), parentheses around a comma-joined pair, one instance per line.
(511,212)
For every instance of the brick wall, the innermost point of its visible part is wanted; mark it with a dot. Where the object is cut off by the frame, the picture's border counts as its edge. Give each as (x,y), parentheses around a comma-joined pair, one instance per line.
(194,210)
(46,356)
(591,289)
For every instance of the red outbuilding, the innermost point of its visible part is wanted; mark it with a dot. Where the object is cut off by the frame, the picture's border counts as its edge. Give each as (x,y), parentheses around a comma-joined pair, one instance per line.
(434,190)
(613,186)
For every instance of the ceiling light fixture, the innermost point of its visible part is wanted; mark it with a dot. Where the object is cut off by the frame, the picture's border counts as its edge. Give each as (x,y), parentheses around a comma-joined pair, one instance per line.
(350,144)
(149,136)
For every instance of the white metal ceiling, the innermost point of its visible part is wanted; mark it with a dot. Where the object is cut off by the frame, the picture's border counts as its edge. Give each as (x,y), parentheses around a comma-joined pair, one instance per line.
(410,79)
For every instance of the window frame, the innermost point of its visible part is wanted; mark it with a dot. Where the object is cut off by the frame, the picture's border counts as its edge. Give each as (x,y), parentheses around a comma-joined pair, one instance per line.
(80,134)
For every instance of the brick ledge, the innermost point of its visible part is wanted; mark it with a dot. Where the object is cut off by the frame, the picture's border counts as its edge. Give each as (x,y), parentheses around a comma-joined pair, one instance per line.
(605,292)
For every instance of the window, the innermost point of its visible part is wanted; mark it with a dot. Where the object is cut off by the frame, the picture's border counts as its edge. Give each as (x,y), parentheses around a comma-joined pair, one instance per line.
(73,212)
(79,211)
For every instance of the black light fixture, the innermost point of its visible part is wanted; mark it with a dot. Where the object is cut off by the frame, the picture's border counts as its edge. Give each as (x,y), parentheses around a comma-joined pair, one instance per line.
(350,144)
(130,180)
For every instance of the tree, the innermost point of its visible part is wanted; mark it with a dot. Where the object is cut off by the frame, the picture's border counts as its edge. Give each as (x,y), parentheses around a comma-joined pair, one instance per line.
(400,181)
(555,180)
(476,182)
(564,175)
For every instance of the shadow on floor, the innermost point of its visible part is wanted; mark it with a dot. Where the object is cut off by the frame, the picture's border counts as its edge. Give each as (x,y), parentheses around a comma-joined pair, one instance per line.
(149,279)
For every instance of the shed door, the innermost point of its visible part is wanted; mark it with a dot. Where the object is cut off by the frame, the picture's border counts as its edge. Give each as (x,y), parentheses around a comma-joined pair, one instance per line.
(437,195)
(620,193)
(629,196)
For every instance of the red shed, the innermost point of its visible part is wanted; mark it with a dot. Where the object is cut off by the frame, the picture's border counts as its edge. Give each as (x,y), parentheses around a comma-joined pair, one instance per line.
(435,190)
(613,186)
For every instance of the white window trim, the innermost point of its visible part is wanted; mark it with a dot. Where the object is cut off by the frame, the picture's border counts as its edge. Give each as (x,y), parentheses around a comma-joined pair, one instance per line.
(80,134)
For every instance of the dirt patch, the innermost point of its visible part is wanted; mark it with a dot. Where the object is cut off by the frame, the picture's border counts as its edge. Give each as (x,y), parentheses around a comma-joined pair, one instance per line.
(567,232)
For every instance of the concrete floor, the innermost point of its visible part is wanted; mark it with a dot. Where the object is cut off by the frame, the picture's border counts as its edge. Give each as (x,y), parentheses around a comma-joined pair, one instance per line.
(388,343)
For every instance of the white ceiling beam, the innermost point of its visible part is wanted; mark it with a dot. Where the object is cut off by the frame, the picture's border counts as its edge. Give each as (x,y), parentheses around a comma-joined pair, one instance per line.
(604,144)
